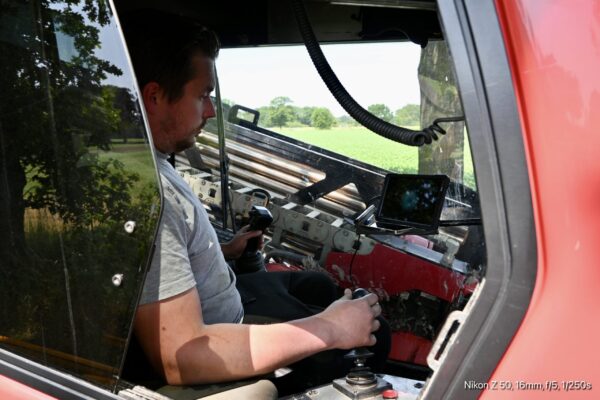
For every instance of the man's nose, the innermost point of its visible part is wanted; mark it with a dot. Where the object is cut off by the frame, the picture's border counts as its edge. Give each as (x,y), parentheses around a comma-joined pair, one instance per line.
(209,109)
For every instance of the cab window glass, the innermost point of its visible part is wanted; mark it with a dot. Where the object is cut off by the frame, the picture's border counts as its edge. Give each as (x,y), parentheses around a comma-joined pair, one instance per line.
(280,91)
(79,196)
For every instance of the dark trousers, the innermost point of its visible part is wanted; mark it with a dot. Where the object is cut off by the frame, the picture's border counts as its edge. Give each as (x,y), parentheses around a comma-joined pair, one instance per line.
(270,297)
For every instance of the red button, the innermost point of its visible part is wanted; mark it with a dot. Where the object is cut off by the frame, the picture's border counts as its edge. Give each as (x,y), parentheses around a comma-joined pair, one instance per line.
(390,394)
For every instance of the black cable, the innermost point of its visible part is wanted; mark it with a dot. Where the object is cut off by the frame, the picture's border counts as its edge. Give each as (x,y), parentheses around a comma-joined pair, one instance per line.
(231,213)
(367,119)
(356,248)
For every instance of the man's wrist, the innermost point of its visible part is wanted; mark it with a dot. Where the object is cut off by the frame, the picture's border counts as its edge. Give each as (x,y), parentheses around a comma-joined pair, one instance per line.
(323,328)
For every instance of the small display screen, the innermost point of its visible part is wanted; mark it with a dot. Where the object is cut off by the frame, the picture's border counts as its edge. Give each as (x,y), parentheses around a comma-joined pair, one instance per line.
(412,201)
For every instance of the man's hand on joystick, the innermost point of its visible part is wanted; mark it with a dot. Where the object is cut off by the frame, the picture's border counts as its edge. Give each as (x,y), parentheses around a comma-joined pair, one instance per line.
(352,321)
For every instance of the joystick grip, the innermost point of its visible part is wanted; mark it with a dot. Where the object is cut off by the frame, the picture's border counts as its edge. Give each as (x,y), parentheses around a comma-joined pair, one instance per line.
(359,292)
(260,219)
(361,353)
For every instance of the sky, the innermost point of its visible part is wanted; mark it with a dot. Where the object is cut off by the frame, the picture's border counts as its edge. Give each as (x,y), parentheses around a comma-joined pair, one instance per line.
(372,73)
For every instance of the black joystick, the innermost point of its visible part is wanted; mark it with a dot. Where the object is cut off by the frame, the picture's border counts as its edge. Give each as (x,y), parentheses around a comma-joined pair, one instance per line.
(251,260)
(260,219)
(361,382)
(360,374)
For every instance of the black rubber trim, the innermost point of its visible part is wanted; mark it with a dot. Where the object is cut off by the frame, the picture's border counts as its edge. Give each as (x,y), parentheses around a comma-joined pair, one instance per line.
(48,380)
(473,33)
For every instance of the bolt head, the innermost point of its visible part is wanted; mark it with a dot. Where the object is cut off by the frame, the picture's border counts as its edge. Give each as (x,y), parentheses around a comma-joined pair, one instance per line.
(129,226)
(117,279)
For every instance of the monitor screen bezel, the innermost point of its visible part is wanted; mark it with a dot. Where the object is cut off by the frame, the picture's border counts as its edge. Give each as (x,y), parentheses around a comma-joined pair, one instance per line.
(396,224)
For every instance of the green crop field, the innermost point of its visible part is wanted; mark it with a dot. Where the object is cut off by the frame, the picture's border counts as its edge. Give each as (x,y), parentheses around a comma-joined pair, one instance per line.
(361,144)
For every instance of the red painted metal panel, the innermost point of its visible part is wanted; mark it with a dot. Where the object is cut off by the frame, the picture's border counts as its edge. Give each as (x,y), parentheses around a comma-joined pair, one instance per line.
(14,390)
(554,54)
(388,271)
(410,348)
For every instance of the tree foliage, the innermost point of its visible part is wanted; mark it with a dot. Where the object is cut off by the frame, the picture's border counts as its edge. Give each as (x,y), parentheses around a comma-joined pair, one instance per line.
(281,116)
(408,115)
(322,118)
(381,111)
(304,115)
(282,111)
(47,142)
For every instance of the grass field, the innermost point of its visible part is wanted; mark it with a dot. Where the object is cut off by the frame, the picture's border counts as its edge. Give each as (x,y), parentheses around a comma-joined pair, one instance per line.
(361,144)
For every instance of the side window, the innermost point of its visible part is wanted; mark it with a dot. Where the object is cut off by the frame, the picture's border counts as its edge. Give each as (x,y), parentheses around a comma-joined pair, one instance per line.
(79,197)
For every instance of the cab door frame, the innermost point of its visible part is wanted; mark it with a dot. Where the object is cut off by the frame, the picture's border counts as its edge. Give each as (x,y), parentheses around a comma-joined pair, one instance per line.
(474,36)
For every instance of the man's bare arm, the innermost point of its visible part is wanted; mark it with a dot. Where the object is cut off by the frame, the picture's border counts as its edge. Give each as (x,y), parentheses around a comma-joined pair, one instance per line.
(188,351)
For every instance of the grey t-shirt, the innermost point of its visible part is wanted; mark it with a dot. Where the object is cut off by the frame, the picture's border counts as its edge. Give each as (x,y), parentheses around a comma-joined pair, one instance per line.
(188,254)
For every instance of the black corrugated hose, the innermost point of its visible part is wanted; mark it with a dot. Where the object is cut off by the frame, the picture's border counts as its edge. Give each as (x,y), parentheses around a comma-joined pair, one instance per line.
(365,118)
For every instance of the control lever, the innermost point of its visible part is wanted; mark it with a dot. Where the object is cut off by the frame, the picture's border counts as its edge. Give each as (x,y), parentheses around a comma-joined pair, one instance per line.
(361,382)
(360,374)
(251,260)
(260,219)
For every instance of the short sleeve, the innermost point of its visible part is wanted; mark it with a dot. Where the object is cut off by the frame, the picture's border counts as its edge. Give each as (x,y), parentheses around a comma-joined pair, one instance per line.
(170,272)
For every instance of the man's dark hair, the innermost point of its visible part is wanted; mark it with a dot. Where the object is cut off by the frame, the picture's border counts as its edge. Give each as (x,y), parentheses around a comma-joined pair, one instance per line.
(162,46)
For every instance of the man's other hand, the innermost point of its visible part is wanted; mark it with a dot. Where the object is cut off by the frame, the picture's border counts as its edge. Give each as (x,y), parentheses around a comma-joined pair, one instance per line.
(353,321)
(233,249)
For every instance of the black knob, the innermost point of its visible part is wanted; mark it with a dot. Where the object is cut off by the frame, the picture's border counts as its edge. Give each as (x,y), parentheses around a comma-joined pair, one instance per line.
(360,353)
(359,292)
(260,219)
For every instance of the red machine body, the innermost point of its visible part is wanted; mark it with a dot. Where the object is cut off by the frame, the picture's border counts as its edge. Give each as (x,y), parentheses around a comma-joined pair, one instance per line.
(554,54)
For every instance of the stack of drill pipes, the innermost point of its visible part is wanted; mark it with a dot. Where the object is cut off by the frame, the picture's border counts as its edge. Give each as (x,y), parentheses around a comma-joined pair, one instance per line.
(281,188)
(346,196)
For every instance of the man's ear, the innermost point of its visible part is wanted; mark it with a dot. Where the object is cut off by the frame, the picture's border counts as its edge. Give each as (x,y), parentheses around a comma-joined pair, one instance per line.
(152,95)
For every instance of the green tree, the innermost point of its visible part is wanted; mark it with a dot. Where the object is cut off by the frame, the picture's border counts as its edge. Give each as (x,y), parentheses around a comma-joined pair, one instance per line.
(264,118)
(281,116)
(123,102)
(280,101)
(304,115)
(322,118)
(282,111)
(382,111)
(408,115)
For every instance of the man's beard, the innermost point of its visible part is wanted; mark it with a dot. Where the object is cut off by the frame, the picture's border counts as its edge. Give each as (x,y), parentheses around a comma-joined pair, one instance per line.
(184,145)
